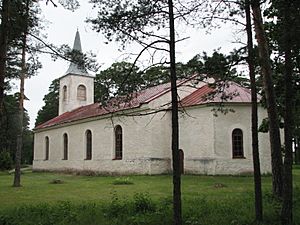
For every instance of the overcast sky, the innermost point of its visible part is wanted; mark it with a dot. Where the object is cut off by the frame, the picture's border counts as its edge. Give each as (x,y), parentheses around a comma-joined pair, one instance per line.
(62,27)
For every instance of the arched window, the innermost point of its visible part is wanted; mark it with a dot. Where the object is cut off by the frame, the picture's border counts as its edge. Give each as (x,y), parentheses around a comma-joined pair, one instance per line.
(237,143)
(81,93)
(88,137)
(181,161)
(65,137)
(65,93)
(118,142)
(46,148)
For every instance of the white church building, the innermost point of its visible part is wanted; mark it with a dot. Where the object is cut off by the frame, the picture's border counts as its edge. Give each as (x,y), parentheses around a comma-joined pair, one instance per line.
(134,136)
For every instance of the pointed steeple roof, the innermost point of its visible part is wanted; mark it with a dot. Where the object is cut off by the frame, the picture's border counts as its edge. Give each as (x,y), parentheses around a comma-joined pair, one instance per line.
(74,68)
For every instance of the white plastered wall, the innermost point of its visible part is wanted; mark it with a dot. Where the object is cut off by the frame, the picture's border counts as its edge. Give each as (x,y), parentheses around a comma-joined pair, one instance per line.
(207,145)
(145,146)
(224,124)
(72,82)
(196,132)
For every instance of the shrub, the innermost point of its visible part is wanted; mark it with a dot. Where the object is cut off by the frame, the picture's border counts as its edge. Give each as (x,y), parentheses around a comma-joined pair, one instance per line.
(122,181)
(116,207)
(62,213)
(5,160)
(143,203)
(6,220)
(56,181)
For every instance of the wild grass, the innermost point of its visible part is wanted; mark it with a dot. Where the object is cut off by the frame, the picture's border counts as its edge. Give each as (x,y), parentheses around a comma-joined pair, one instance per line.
(86,200)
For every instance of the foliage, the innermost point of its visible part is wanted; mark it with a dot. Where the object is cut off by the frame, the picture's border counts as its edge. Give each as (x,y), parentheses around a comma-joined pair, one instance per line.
(23,18)
(9,125)
(50,109)
(146,22)
(156,75)
(19,20)
(221,66)
(200,209)
(143,203)
(218,65)
(69,4)
(276,34)
(122,181)
(127,20)
(24,24)
(59,214)
(5,160)
(27,151)
(116,81)
(85,61)
(56,181)
(9,129)
(116,207)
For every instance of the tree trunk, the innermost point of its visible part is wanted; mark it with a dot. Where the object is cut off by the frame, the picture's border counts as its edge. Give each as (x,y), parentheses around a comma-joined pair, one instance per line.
(264,58)
(287,204)
(175,128)
(4,28)
(254,118)
(17,177)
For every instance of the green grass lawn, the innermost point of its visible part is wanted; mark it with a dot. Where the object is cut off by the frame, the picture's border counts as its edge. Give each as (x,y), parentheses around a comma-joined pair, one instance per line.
(219,193)
(37,188)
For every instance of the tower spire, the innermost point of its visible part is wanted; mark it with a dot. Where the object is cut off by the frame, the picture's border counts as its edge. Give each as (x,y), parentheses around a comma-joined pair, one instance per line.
(73,67)
(76,86)
(77,42)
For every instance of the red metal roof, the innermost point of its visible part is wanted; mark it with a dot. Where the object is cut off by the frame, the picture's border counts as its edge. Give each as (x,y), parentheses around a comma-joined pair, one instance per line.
(225,92)
(145,96)
(197,97)
(96,109)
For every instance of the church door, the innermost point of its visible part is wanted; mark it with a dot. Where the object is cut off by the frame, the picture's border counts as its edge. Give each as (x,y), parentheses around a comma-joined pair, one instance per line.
(181,161)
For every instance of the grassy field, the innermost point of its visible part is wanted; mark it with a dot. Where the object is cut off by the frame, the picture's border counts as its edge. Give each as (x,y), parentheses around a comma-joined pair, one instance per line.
(206,199)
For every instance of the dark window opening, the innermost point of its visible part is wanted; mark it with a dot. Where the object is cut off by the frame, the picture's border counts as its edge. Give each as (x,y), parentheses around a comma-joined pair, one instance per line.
(237,144)
(65,90)
(118,142)
(65,137)
(181,161)
(88,145)
(46,148)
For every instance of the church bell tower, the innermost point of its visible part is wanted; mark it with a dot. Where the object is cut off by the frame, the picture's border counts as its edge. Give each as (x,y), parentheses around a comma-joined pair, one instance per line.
(76,86)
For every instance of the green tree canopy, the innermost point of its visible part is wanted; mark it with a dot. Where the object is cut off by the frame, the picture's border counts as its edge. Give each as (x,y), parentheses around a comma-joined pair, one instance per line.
(51,100)
(9,129)
(121,78)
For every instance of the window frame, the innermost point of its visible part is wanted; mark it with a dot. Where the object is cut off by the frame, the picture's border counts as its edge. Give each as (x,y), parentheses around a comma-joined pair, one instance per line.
(118,132)
(65,93)
(81,92)
(88,145)
(65,146)
(237,141)
(47,148)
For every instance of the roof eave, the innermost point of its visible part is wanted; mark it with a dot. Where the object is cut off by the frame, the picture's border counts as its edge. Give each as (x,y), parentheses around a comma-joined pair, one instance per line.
(84,120)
